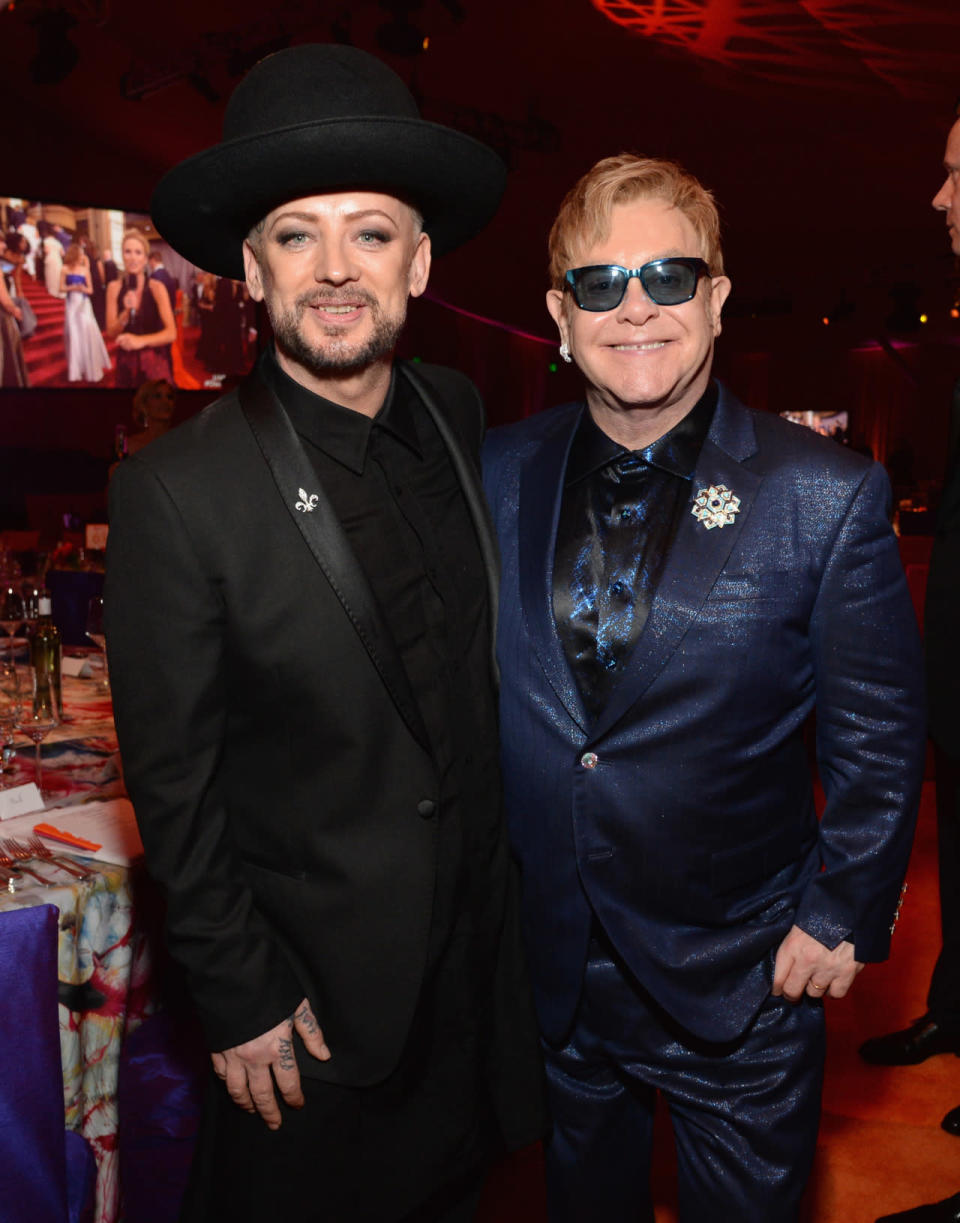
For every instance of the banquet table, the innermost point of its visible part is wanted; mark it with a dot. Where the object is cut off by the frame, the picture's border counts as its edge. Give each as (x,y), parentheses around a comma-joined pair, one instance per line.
(104,958)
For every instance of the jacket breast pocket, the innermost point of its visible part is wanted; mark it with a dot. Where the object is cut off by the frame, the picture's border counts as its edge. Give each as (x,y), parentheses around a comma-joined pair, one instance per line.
(750,585)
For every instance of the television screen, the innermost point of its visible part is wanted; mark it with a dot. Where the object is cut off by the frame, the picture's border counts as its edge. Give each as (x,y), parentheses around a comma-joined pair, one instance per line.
(830,424)
(105,302)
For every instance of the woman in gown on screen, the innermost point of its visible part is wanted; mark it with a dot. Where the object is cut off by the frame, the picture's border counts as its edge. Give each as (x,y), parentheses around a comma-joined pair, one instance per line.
(98,280)
(86,352)
(52,259)
(13,369)
(139,315)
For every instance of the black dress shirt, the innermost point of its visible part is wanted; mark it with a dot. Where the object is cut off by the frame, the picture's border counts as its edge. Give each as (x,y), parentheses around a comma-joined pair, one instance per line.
(619,514)
(394,490)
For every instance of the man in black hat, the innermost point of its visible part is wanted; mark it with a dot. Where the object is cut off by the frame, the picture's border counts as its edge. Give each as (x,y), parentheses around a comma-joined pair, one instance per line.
(300,598)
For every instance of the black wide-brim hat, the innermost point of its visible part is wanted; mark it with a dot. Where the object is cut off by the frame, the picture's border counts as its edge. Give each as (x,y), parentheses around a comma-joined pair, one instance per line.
(315,119)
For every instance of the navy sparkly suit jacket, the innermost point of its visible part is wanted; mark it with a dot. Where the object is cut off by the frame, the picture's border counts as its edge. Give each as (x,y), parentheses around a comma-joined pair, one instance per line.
(683,815)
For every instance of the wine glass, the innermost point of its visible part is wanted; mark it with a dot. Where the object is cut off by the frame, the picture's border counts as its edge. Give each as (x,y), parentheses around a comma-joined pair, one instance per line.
(9,717)
(96,635)
(39,712)
(11,616)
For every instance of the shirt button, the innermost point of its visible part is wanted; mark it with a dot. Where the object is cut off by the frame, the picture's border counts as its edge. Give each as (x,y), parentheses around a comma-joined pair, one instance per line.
(426,807)
(589,760)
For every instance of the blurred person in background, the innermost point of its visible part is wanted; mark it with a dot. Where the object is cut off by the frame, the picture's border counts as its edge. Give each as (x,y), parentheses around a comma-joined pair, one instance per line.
(52,253)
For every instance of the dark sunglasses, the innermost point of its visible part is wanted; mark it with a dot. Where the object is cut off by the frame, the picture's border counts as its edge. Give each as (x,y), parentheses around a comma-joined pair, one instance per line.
(668,282)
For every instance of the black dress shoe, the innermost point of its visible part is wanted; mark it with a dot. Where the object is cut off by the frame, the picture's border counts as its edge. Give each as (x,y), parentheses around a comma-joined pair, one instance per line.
(951,1122)
(947,1211)
(921,1040)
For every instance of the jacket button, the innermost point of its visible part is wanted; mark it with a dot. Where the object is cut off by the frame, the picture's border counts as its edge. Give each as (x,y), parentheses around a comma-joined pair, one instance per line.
(589,760)
(426,807)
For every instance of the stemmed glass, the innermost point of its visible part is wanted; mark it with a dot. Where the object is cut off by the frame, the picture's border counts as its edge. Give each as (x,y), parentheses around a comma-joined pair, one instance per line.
(39,712)
(96,635)
(9,717)
(11,616)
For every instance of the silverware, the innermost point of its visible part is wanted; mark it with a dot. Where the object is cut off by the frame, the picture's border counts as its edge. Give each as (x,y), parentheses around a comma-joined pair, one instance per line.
(7,861)
(38,849)
(7,880)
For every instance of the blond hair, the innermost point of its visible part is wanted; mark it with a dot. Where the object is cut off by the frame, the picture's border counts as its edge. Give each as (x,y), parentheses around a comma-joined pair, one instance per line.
(136,235)
(584,216)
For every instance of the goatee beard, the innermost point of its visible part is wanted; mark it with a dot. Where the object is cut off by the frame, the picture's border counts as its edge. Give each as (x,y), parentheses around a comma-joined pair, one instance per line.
(338,356)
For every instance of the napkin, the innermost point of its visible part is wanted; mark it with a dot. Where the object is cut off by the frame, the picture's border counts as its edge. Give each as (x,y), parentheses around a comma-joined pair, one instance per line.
(110,825)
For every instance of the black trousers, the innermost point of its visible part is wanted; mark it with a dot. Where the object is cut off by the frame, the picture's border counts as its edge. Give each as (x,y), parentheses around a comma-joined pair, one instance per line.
(409,1149)
(943,1000)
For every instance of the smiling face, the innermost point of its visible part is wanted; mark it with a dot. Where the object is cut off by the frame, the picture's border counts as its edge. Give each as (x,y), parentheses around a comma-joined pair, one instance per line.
(335,273)
(645,365)
(947,199)
(134,255)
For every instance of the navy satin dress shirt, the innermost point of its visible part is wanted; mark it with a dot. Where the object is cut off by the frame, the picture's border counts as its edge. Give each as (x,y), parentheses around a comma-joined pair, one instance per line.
(620,512)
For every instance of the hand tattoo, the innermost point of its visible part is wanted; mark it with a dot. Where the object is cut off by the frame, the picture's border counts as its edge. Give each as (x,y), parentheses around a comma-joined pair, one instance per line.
(306,1018)
(286,1059)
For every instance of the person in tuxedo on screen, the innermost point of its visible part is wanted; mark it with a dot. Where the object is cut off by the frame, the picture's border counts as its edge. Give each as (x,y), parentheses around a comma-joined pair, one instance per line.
(300,597)
(684,581)
(159,273)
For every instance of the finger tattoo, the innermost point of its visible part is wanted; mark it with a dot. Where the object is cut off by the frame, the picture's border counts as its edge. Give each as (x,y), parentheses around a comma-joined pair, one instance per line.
(306,1017)
(286,1059)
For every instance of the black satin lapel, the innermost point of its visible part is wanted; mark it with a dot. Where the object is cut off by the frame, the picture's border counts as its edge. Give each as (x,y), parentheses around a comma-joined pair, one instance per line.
(541,490)
(693,565)
(294,476)
(472,488)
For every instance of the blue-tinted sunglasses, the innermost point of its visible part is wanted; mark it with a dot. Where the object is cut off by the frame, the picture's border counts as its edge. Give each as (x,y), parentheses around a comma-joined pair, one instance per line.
(668,282)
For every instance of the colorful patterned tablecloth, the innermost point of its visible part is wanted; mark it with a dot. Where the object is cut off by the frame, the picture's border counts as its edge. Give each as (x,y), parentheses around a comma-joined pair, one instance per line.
(104,963)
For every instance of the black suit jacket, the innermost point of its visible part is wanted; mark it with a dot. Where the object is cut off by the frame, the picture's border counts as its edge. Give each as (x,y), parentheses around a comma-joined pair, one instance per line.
(274,752)
(941,615)
(168,282)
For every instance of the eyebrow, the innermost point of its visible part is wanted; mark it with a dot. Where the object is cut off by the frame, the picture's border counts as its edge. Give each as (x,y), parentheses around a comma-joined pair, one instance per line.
(675,253)
(313,217)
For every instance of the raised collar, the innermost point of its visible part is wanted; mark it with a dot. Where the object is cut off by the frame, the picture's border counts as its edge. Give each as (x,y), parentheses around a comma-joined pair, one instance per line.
(675,452)
(340,432)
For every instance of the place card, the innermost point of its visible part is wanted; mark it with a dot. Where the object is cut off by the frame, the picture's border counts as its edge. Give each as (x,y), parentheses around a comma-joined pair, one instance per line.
(19,800)
(77,667)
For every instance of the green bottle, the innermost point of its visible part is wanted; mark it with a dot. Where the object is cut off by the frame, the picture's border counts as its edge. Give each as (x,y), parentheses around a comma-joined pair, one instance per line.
(45,652)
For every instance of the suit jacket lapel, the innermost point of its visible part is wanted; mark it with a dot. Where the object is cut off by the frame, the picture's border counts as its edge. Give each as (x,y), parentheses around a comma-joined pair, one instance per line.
(472,488)
(294,475)
(541,491)
(696,557)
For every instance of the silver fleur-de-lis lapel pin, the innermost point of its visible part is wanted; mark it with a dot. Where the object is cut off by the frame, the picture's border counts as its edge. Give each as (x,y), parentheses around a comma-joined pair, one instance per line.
(716,506)
(308,501)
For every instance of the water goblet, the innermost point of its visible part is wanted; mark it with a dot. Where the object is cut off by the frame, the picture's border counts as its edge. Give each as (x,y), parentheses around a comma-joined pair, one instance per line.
(9,718)
(96,634)
(11,616)
(39,713)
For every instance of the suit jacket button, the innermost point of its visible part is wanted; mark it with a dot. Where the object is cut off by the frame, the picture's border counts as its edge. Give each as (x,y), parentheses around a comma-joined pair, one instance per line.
(426,807)
(589,760)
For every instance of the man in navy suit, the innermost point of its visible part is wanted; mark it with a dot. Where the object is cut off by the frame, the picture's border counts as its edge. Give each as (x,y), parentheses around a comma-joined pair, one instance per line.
(685,582)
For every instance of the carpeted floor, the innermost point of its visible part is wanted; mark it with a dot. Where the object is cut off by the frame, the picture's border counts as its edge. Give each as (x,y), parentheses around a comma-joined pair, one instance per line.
(881,1148)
